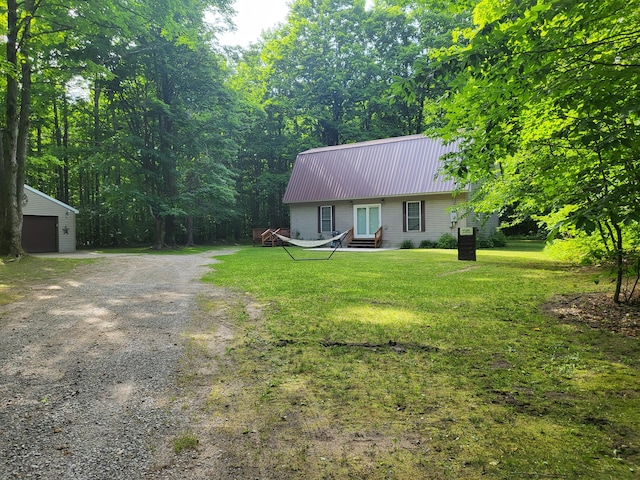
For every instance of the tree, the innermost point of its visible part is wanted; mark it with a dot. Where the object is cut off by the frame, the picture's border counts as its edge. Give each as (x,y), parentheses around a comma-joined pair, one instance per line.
(38,36)
(17,70)
(326,76)
(142,66)
(545,103)
(319,64)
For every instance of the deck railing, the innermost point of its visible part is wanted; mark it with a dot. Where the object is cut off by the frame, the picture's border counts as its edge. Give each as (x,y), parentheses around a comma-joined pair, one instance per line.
(269,238)
(348,237)
(377,241)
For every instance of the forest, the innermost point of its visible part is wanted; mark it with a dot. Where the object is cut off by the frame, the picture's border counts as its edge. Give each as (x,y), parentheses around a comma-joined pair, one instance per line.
(132,112)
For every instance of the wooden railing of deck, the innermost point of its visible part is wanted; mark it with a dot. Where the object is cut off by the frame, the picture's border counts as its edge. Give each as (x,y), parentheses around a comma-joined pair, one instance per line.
(269,238)
(377,241)
(348,237)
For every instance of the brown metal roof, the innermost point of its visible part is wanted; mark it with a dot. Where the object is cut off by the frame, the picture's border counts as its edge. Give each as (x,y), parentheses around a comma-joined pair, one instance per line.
(379,168)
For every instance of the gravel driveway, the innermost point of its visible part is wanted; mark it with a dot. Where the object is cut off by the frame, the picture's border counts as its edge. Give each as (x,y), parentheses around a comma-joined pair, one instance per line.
(88,370)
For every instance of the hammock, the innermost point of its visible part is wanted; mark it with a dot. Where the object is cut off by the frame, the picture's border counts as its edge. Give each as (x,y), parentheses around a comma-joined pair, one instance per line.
(312,244)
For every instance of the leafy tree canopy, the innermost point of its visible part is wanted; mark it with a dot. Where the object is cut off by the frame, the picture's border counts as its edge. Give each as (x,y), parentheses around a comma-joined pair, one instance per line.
(545,100)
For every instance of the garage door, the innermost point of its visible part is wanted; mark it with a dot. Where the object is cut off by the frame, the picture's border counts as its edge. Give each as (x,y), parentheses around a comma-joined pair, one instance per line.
(39,234)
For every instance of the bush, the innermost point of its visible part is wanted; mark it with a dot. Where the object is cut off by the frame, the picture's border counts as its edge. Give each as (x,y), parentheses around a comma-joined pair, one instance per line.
(580,250)
(496,239)
(499,239)
(447,241)
(428,244)
(484,242)
(406,244)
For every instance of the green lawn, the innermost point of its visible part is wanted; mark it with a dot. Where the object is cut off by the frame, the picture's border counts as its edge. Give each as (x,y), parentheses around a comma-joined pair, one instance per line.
(410,364)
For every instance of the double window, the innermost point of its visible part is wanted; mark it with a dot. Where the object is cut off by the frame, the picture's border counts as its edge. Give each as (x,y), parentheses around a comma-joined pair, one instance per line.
(413,218)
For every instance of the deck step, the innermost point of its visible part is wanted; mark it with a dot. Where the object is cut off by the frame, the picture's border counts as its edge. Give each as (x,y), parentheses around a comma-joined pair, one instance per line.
(362,243)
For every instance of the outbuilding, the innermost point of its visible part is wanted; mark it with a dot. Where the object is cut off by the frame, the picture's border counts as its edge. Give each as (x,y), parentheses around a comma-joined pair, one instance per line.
(48,225)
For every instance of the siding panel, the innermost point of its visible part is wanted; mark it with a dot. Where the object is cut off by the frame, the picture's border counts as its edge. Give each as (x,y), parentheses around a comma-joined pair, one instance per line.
(437,219)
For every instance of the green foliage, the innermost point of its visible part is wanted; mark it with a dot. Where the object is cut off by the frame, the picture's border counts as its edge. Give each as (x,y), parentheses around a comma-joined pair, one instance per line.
(428,244)
(407,244)
(158,139)
(545,112)
(484,242)
(448,241)
(153,113)
(496,239)
(325,76)
(499,239)
(580,250)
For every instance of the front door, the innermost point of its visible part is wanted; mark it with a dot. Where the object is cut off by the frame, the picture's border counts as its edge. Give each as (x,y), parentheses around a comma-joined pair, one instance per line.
(367,220)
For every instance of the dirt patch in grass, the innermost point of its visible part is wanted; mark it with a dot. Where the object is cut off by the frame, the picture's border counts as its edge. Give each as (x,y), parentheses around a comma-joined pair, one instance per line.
(597,310)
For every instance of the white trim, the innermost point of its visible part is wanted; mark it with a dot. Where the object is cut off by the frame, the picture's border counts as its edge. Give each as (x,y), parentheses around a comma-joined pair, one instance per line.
(44,195)
(322,230)
(355,218)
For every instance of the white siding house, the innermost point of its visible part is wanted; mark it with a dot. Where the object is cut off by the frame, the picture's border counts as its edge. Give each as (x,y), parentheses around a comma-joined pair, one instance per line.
(49,225)
(391,187)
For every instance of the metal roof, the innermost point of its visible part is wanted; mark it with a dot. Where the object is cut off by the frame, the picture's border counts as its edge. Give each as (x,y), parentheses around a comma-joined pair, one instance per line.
(380,168)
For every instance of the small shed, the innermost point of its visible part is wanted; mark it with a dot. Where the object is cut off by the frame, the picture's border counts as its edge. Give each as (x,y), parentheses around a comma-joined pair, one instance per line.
(48,225)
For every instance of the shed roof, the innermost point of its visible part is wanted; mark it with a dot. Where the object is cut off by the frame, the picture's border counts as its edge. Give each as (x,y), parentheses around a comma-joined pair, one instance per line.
(379,168)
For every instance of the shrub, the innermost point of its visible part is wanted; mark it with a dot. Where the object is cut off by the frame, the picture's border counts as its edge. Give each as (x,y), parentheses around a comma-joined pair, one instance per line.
(447,241)
(581,250)
(499,239)
(484,242)
(428,244)
(406,244)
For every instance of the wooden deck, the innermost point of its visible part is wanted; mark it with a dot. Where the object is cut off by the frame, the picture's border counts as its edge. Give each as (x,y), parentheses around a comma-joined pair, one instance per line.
(267,236)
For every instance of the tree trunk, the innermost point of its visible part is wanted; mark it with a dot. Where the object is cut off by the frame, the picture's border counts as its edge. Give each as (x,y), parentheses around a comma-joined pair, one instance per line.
(64,181)
(159,243)
(159,223)
(190,242)
(170,231)
(619,263)
(15,135)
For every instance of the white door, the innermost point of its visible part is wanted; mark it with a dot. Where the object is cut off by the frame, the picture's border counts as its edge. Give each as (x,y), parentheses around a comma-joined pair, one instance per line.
(366,219)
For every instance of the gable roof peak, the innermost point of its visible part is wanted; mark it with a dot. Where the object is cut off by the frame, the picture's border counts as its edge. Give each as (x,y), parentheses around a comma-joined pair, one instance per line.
(367,143)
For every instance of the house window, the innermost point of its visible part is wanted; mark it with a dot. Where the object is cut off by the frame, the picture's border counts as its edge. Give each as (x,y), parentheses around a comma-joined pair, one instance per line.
(413,218)
(325,220)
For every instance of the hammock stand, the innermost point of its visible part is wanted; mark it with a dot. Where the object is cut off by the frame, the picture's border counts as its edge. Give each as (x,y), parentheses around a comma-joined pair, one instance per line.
(311,244)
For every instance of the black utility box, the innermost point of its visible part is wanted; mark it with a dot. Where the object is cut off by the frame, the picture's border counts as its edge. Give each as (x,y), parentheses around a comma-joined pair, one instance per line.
(467,243)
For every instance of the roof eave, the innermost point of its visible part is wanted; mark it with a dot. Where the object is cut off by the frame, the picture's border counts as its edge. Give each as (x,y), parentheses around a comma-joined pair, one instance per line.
(395,195)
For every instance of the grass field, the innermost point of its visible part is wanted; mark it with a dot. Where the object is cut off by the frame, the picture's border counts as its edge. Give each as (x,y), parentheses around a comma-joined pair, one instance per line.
(410,364)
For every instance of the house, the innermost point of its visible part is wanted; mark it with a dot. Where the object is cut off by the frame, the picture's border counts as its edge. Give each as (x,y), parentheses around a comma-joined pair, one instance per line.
(48,225)
(387,190)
